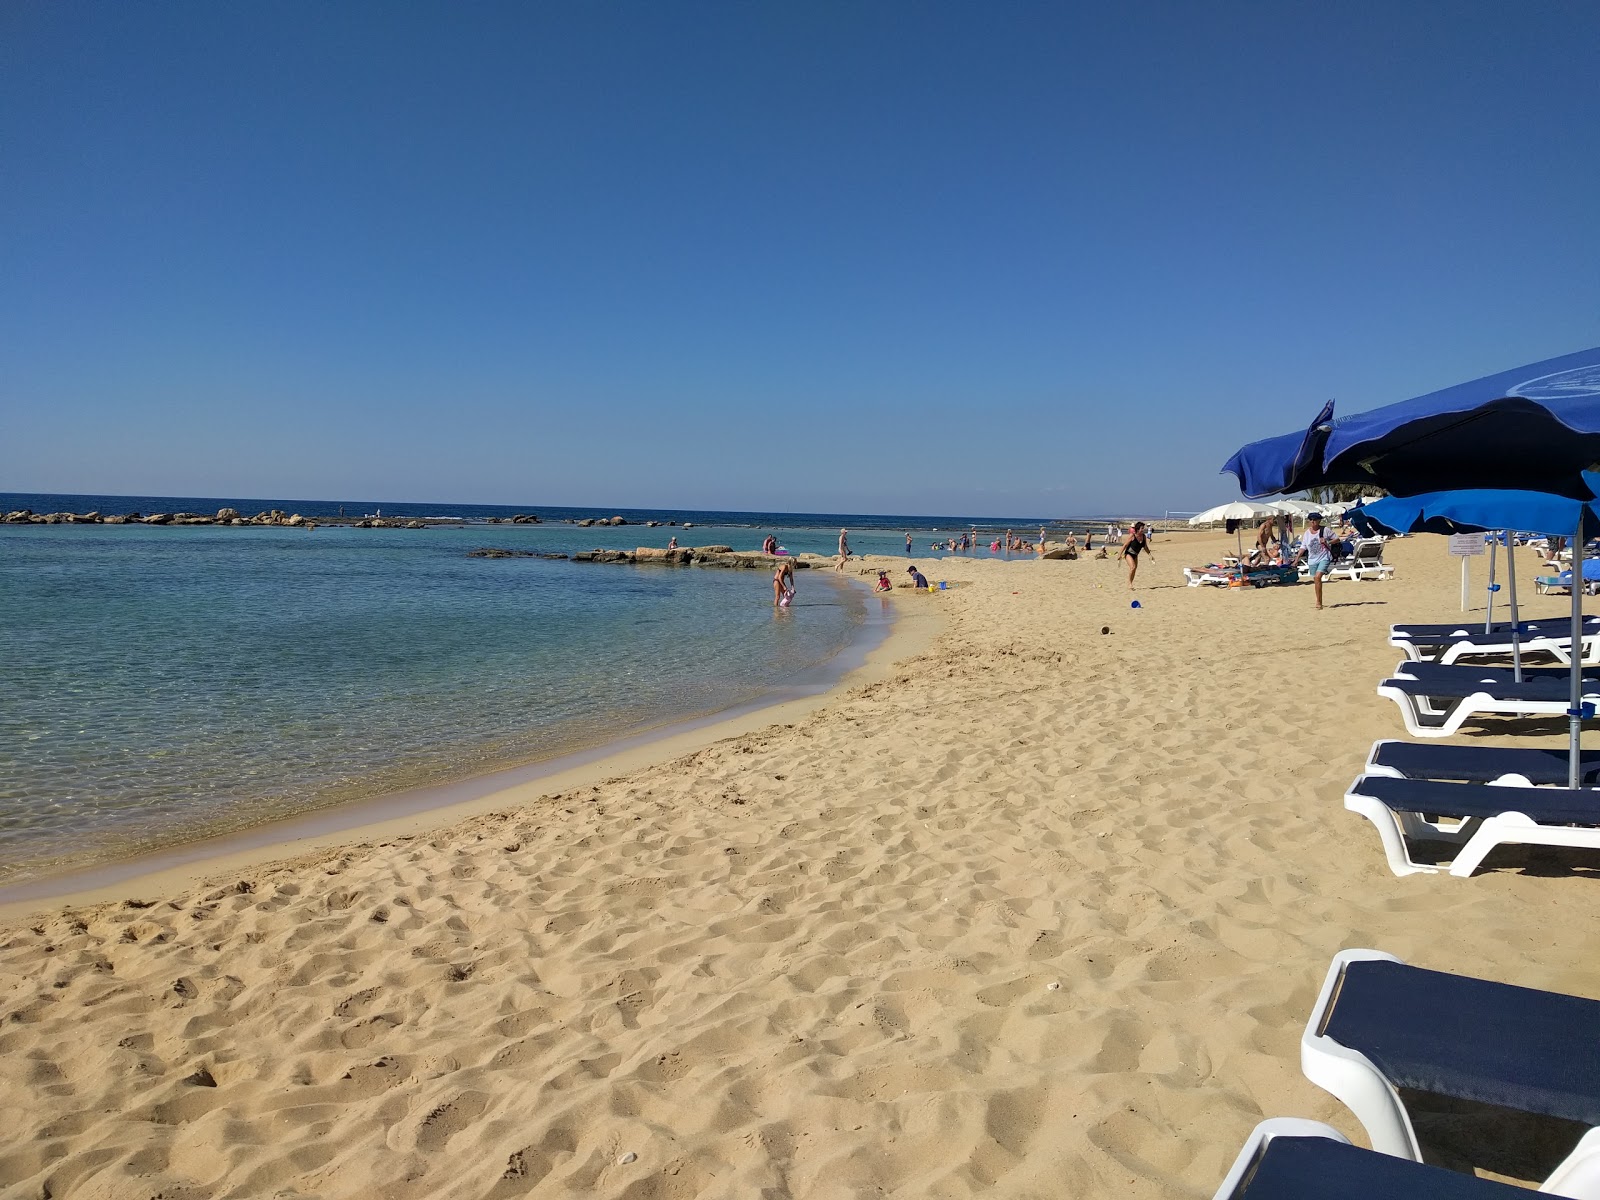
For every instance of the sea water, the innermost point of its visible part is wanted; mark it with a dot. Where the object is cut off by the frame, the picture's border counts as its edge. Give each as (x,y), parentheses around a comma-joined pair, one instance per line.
(161,684)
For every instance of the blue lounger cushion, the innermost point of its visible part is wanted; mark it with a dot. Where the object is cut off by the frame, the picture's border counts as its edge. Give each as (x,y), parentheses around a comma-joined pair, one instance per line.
(1433,635)
(1431,670)
(1482,764)
(1492,640)
(1456,687)
(1319,1168)
(1452,1035)
(1546,805)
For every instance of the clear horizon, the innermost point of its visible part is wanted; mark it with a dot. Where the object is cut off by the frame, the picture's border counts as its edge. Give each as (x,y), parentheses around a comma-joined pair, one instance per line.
(720,257)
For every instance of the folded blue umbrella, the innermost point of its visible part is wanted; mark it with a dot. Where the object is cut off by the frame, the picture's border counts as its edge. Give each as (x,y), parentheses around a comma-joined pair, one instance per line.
(1535,428)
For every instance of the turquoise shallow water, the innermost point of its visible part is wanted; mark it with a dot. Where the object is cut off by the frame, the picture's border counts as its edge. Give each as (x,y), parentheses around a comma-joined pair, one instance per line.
(167,684)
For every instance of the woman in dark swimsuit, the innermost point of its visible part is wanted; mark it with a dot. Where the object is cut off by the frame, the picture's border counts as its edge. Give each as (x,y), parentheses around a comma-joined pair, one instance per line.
(1137,540)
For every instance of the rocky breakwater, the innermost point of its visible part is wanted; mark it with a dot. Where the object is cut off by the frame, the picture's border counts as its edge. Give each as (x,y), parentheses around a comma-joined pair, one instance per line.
(224,516)
(683,556)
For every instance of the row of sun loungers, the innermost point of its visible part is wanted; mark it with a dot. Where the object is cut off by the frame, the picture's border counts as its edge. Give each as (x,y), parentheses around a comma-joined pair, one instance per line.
(1385,1037)
(1364,562)
(1381,1033)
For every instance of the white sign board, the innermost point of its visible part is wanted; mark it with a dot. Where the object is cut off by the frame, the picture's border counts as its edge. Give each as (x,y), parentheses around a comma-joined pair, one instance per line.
(1466,545)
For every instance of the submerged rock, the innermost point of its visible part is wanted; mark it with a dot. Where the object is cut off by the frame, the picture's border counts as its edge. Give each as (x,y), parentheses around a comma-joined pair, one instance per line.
(496,552)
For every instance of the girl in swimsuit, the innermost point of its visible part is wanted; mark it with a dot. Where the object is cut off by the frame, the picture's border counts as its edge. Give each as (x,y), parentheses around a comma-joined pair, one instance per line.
(1136,542)
(783,585)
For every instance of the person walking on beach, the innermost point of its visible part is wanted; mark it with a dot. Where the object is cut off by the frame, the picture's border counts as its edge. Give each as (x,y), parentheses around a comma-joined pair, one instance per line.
(1136,542)
(844,549)
(1314,550)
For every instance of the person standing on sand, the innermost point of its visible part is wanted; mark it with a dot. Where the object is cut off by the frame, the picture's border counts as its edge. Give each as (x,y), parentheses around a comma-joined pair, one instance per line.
(1314,549)
(1137,541)
(1041,541)
(844,549)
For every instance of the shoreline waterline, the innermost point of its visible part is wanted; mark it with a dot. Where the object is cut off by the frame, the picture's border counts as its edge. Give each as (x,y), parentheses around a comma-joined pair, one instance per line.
(894,632)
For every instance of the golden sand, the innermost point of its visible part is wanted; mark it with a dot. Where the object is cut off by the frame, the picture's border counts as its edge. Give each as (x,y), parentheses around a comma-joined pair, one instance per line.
(812,958)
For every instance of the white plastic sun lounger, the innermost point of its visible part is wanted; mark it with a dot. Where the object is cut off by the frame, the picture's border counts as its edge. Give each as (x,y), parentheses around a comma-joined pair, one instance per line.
(1498,645)
(1198,576)
(1449,631)
(1476,817)
(1380,1025)
(1434,707)
(1365,562)
(1289,1159)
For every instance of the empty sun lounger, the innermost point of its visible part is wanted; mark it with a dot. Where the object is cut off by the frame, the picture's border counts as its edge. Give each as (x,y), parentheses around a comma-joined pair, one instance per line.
(1440,633)
(1480,817)
(1482,672)
(1380,1025)
(1290,1159)
(1498,645)
(1438,706)
(1532,765)
(1365,562)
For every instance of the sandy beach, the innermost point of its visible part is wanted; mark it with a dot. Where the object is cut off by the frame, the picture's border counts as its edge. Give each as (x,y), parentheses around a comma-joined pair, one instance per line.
(1021,908)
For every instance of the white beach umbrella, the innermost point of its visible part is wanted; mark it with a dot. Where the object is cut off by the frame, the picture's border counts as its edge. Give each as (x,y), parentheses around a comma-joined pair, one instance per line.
(1238,510)
(1300,508)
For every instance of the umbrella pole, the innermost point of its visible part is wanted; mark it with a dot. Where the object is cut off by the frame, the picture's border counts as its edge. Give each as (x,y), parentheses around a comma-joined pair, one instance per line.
(1511,576)
(1488,616)
(1575,713)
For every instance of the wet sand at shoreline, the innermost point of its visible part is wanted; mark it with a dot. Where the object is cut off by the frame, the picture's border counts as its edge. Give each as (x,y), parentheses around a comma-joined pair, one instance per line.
(812,957)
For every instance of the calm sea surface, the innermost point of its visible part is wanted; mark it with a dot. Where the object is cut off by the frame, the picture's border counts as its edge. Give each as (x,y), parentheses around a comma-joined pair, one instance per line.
(163,684)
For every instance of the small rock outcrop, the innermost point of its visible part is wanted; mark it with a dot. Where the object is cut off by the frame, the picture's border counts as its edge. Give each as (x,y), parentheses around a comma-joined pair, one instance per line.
(496,552)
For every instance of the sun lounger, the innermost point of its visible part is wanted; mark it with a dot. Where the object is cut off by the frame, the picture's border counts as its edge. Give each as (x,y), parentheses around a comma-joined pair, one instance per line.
(1436,634)
(1474,816)
(1482,672)
(1380,1025)
(1212,575)
(1498,645)
(1365,562)
(1438,707)
(1290,1159)
(1531,765)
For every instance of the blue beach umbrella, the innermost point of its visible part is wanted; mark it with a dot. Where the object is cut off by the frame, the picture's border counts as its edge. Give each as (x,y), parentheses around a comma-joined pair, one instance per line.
(1479,510)
(1535,428)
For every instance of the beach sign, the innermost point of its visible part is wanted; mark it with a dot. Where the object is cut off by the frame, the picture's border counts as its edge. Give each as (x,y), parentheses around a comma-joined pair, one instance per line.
(1466,546)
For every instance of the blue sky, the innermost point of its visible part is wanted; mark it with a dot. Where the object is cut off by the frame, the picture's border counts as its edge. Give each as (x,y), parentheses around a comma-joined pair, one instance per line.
(890,257)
